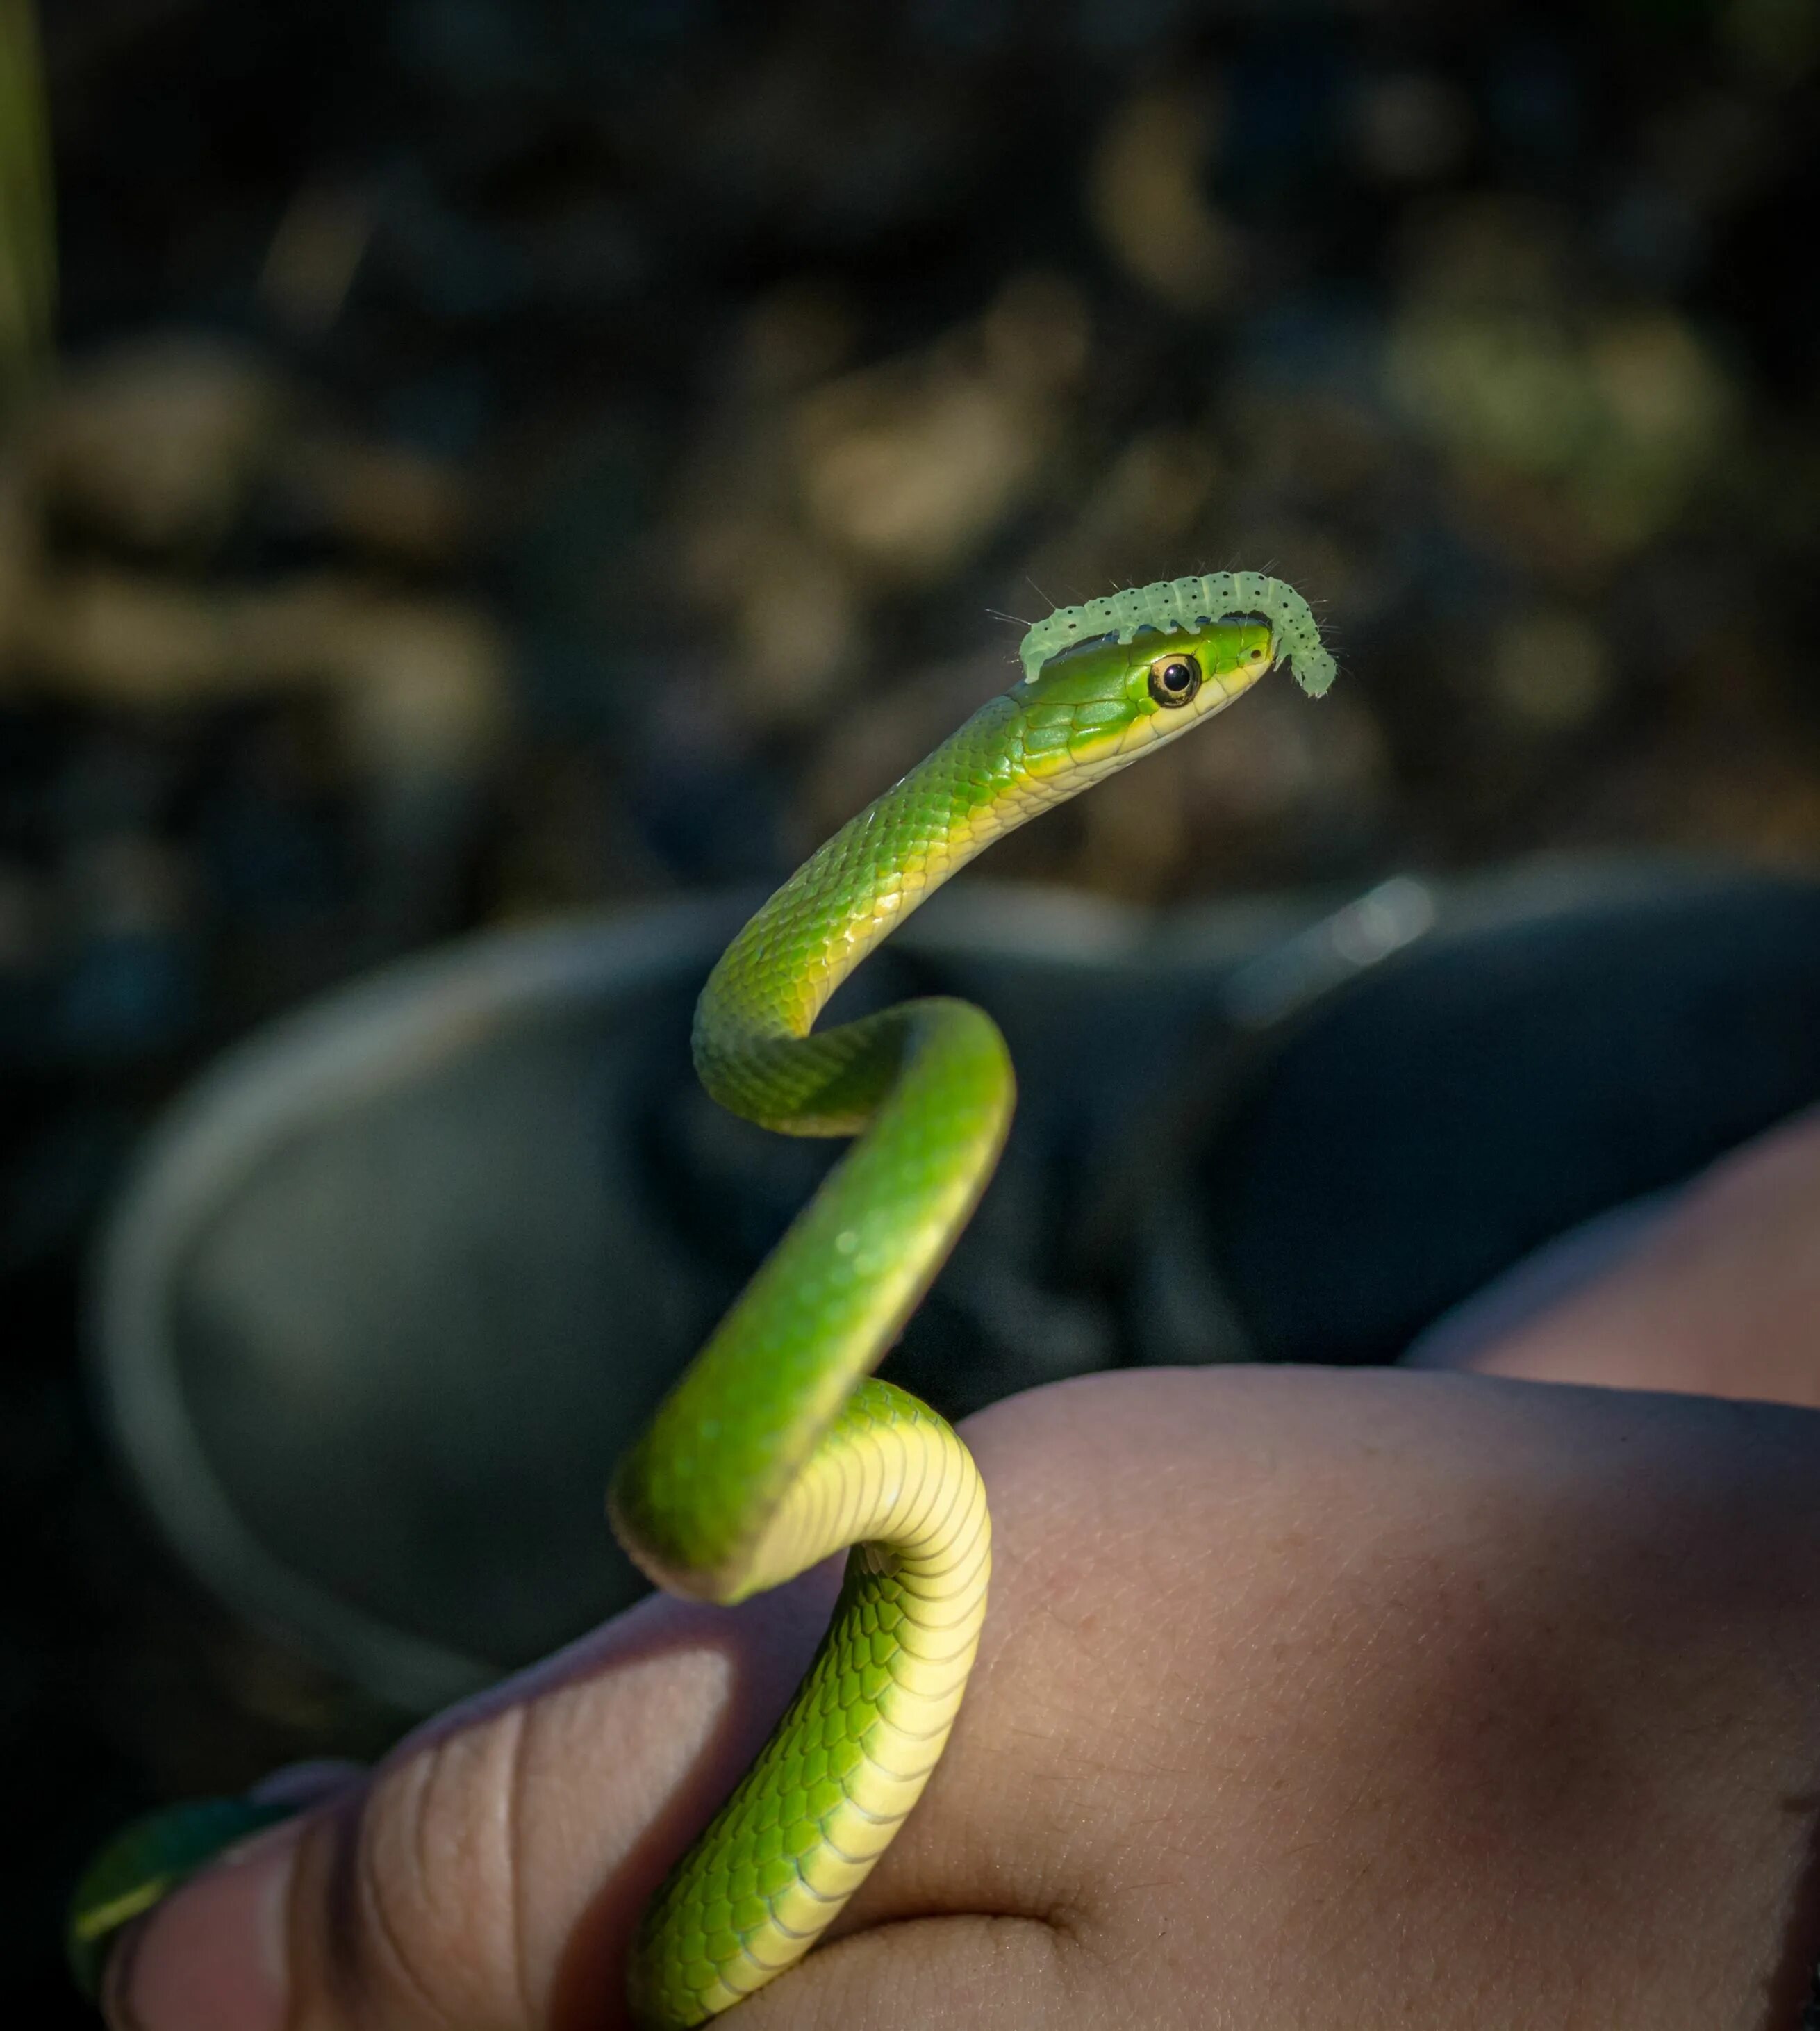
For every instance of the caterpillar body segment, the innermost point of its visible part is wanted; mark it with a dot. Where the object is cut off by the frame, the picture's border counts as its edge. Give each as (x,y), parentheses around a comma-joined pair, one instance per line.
(1189,603)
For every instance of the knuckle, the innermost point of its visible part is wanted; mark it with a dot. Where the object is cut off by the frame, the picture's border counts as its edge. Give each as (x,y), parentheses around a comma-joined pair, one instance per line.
(419,1924)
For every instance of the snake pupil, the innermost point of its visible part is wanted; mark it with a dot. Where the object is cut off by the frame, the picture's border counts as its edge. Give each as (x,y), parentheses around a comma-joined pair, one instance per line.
(1175,679)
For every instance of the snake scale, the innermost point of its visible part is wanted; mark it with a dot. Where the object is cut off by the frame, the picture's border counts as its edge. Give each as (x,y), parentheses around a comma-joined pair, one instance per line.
(777,1447)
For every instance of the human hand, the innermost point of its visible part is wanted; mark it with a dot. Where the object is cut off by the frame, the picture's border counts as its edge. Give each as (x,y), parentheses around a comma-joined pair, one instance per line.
(1305,1697)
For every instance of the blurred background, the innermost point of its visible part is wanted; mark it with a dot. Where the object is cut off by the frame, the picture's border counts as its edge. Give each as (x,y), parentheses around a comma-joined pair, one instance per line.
(471,461)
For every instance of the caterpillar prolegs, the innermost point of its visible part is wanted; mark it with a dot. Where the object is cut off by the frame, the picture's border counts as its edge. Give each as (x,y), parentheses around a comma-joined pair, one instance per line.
(1174,603)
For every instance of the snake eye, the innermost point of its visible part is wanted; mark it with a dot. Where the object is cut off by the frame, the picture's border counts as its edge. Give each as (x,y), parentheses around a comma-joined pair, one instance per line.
(1175,679)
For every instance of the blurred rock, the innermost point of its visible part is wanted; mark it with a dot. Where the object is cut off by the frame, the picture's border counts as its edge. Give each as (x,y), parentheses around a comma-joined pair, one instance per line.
(1519,380)
(156,443)
(1777,41)
(799,623)
(1411,127)
(124,886)
(1147,196)
(908,468)
(1158,484)
(386,501)
(810,504)
(129,988)
(19,558)
(23,918)
(1549,671)
(155,628)
(416,682)
(313,256)
(421,684)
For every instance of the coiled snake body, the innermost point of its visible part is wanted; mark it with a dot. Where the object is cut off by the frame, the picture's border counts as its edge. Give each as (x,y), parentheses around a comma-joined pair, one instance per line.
(776,1448)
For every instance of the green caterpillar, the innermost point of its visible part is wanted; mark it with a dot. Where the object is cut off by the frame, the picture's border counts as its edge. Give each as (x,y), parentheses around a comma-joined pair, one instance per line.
(1189,603)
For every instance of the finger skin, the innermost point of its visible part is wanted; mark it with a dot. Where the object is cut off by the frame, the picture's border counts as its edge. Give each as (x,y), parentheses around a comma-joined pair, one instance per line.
(1307,1697)
(304,1784)
(1458,1704)
(1721,1297)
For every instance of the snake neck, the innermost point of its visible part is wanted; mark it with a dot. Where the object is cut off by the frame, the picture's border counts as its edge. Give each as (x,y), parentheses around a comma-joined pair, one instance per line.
(927,1088)
(752,1049)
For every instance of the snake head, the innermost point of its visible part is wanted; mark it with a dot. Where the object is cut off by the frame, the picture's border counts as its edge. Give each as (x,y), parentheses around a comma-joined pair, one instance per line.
(1101,703)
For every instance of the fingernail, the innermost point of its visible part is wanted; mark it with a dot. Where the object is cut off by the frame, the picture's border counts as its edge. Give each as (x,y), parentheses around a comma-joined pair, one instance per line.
(216,1953)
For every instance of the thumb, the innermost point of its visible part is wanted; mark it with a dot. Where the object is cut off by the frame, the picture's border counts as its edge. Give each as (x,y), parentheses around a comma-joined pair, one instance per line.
(492,1869)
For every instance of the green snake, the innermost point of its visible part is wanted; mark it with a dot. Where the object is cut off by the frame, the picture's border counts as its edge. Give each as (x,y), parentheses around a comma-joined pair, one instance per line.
(776,1448)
